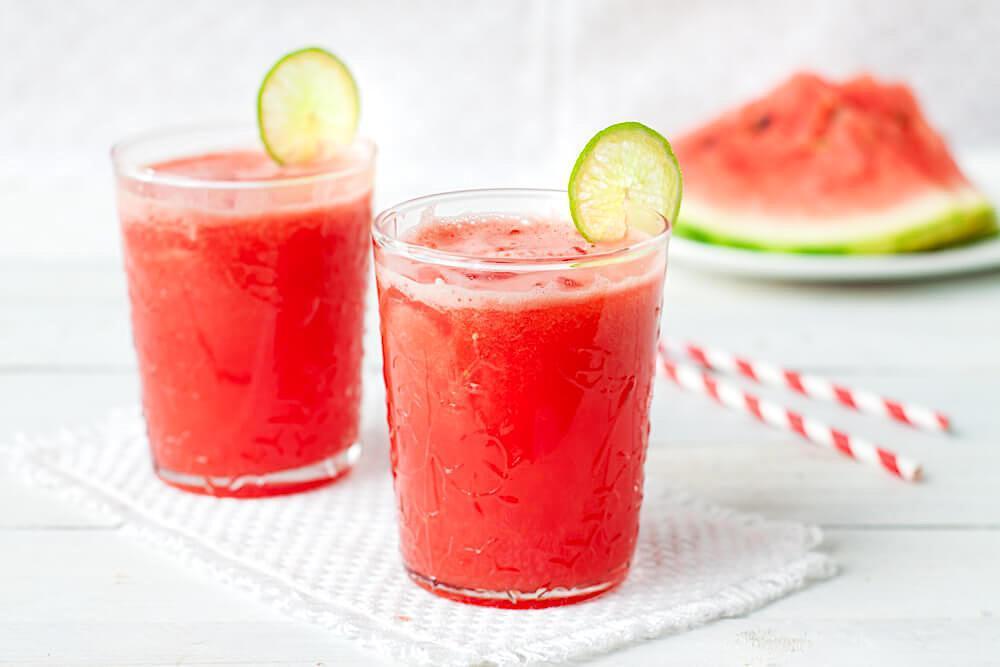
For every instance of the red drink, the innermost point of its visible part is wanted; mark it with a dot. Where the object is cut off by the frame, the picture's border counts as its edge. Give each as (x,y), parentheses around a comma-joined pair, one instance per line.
(519,364)
(247,288)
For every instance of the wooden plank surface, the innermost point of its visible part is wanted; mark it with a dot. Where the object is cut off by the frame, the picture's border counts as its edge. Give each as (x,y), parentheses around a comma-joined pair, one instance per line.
(112,601)
(920,584)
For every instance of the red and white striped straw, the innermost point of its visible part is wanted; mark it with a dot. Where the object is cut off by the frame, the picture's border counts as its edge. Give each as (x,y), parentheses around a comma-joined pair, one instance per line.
(810,385)
(703,382)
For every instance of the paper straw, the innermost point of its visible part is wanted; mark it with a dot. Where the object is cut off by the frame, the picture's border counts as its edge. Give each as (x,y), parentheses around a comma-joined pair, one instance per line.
(698,380)
(810,385)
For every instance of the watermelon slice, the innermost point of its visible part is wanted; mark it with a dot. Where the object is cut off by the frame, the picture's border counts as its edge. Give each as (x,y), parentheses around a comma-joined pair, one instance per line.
(822,167)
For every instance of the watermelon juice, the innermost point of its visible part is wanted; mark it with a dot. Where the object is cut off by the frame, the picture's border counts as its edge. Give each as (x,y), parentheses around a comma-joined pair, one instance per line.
(246,282)
(519,365)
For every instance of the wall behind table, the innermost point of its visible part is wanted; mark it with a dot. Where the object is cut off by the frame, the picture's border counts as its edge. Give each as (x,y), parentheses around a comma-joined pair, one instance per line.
(458,94)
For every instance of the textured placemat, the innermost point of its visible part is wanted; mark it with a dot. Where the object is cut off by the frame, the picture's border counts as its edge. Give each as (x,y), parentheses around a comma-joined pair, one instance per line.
(330,556)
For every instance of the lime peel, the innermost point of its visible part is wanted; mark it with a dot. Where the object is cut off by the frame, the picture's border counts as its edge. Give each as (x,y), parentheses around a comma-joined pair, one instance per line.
(626,176)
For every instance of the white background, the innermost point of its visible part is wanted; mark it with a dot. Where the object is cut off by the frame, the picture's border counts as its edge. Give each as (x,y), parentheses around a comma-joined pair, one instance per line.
(457,93)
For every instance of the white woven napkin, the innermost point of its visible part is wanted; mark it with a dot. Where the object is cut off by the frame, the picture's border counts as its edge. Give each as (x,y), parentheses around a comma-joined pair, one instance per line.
(330,556)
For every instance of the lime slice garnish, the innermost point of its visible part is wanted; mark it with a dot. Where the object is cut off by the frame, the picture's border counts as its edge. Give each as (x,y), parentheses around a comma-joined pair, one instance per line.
(307,106)
(626,176)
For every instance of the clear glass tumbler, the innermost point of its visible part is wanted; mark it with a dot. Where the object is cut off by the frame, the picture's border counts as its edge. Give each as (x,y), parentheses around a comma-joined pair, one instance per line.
(246,283)
(519,363)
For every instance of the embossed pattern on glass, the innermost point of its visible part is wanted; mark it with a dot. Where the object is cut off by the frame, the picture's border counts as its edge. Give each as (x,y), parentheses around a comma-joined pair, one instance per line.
(518,394)
(247,286)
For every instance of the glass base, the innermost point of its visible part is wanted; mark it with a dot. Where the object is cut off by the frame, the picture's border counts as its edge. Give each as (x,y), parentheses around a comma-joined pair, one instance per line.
(280,482)
(543,597)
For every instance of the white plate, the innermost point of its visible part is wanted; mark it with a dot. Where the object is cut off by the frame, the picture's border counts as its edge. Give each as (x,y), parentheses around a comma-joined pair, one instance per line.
(982,168)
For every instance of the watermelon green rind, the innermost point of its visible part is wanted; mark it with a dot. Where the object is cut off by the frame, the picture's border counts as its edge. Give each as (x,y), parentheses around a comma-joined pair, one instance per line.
(942,227)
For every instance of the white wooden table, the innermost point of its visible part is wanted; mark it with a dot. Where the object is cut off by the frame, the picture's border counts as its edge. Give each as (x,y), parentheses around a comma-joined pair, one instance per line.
(921,563)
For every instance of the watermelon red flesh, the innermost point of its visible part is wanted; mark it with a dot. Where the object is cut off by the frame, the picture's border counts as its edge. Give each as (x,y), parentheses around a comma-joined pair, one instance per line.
(817,166)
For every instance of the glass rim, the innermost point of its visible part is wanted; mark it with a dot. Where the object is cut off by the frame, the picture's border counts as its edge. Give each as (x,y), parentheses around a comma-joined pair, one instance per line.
(427,255)
(143,174)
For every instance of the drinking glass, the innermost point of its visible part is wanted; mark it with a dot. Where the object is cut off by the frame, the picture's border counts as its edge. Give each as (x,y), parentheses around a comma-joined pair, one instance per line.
(518,394)
(246,282)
